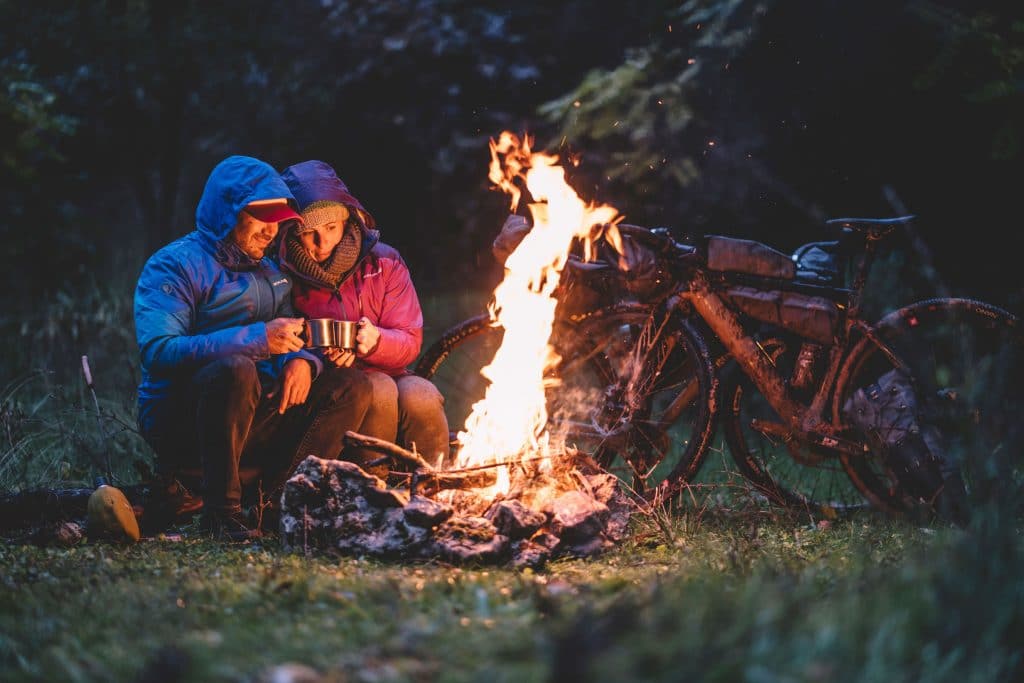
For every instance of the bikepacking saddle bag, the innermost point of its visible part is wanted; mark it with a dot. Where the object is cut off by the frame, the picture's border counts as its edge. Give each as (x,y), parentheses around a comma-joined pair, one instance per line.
(813,317)
(889,410)
(819,263)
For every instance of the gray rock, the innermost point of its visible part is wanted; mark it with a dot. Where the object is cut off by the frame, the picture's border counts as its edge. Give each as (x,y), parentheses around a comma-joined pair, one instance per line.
(424,512)
(468,539)
(576,518)
(515,520)
(547,540)
(526,553)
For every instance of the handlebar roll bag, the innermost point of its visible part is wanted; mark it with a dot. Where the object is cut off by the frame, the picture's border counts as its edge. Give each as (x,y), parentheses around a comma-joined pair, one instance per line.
(746,256)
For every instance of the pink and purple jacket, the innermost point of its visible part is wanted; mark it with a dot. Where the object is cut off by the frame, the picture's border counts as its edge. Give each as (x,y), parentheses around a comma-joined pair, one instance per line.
(379,286)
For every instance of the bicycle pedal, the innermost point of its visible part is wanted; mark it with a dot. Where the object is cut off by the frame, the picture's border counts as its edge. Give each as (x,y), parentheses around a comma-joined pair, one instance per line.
(837,443)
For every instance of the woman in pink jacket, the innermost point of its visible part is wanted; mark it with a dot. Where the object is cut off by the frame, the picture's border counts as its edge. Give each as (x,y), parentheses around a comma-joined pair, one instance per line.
(343,271)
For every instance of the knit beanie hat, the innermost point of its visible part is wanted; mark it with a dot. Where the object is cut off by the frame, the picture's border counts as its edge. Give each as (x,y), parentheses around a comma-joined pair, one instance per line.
(324,211)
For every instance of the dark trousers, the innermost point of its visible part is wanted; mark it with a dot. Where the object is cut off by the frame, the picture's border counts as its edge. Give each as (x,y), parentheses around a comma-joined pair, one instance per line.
(223,419)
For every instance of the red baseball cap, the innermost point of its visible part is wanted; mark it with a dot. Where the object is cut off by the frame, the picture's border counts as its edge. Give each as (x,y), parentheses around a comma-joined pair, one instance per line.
(272,211)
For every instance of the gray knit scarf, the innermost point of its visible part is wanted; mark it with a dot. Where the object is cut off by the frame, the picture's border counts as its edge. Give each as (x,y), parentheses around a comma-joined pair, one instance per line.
(335,269)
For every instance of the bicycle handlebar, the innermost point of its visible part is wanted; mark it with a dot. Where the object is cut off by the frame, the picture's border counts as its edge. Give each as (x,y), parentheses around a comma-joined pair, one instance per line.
(657,239)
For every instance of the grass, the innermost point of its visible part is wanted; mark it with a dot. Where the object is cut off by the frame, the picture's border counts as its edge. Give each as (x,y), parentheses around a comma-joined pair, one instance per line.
(737,598)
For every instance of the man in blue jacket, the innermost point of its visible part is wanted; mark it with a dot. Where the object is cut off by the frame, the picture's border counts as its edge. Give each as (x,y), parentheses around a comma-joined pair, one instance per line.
(225,379)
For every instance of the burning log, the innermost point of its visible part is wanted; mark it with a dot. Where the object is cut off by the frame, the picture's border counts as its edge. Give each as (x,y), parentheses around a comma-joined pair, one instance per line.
(424,474)
(393,451)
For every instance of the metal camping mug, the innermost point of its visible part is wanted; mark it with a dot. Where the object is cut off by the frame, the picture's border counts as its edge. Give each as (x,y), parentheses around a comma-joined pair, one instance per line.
(345,333)
(319,332)
(325,332)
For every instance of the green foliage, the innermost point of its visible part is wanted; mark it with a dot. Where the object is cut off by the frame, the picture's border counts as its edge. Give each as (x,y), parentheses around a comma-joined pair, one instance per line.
(31,122)
(55,436)
(982,56)
(629,106)
(638,114)
(52,433)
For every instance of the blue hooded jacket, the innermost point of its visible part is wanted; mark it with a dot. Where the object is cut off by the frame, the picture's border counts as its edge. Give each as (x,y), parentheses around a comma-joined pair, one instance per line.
(201,298)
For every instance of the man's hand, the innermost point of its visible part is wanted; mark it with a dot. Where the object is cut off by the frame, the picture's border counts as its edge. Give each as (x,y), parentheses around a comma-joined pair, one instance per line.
(296,379)
(341,358)
(283,335)
(367,337)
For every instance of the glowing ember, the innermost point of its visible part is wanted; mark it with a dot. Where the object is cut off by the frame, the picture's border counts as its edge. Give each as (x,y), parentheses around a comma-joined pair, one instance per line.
(509,423)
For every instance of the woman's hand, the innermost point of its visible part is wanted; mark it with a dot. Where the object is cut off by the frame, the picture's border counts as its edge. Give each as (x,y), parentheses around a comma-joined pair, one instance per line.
(367,337)
(341,358)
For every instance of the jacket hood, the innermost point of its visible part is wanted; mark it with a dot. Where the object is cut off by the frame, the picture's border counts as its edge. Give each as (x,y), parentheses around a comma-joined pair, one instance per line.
(232,184)
(315,181)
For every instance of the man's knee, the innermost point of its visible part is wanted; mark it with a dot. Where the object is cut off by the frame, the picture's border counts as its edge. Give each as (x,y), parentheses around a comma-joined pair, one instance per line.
(235,371)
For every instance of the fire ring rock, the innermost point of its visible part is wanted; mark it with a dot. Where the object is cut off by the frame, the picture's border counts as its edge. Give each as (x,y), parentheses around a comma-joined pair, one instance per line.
(469,539)
(427,513)
(576,517)
(515,520)
(335,505)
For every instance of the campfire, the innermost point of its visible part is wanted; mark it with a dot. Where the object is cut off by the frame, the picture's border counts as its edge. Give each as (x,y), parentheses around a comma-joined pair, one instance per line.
(514,491)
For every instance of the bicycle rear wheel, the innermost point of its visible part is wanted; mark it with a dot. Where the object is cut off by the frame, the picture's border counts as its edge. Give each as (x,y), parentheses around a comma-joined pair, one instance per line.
(785,469)
(966,359)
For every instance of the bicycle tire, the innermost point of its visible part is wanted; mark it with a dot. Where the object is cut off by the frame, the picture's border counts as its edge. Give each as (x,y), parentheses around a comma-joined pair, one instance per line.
(453,364)
(788,472)
(653,381)
(967,361)
(594,348)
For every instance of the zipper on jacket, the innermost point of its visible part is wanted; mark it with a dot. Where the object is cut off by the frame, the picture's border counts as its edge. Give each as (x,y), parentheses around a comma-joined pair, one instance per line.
(336,294)
(259,302)
(359,292)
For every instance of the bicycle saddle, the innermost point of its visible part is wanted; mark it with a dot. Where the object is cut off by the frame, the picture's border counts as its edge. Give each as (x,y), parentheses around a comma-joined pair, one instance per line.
(872,225)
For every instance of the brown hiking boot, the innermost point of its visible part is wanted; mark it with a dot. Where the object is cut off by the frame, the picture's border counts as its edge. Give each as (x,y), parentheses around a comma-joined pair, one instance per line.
(229,525)
(168,502)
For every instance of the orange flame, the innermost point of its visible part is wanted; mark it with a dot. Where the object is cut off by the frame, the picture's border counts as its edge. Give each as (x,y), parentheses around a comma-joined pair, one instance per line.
(510,422)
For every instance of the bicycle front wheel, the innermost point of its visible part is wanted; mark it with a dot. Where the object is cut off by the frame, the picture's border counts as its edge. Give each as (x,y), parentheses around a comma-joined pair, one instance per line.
(631,390)
(453,364)
(636,394)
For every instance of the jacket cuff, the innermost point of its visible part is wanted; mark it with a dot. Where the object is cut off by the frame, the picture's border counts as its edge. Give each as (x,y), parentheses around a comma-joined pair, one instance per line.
(314,360)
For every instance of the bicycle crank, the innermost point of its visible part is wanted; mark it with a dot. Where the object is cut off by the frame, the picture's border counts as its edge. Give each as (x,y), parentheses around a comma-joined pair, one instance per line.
(812,439)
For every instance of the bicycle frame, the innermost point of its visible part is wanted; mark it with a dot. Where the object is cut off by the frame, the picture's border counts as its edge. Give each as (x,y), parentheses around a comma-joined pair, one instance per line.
(813,420)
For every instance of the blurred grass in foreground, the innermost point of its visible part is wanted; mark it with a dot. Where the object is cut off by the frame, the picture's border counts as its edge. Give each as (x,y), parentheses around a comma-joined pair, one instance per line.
(736,597)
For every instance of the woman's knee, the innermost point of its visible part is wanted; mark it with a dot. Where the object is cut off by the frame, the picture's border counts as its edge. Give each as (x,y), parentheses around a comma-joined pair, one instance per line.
(385,391)
(418,396)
